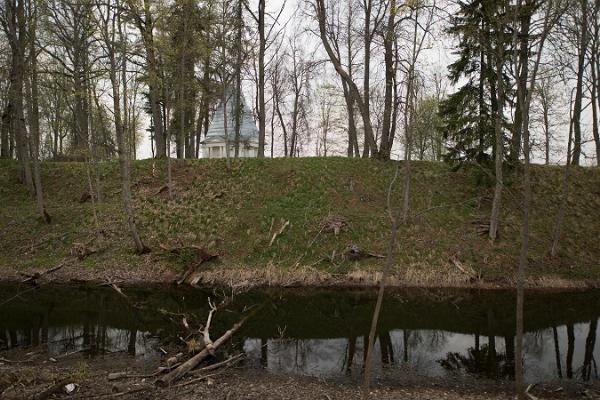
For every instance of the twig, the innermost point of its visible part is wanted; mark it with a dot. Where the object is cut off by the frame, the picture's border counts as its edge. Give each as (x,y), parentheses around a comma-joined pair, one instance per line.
(229,361)
(279,232)
(110,395)
(195,380)
(118,290)
(18,295)
(6,360)
(208,343)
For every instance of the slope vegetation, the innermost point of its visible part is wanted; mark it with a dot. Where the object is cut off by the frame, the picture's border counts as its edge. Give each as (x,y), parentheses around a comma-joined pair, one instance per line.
(289,221)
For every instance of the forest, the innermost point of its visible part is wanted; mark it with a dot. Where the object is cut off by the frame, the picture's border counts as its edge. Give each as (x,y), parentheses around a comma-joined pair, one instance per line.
(424,143)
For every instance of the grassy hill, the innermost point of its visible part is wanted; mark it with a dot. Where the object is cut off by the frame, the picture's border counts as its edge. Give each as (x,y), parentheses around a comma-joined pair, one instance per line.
(236,215)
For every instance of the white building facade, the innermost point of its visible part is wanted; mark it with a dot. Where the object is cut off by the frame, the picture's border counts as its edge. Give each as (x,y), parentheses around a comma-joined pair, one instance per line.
(221,134)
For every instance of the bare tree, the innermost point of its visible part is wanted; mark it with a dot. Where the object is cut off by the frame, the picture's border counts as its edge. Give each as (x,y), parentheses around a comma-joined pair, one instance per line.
(143,16)
(324,33)
(110,24)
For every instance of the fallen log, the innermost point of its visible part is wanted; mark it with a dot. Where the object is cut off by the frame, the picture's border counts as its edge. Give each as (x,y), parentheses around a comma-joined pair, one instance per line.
(193,362)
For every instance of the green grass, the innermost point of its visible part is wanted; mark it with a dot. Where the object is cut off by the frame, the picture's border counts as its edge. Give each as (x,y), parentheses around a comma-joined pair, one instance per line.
(233,214)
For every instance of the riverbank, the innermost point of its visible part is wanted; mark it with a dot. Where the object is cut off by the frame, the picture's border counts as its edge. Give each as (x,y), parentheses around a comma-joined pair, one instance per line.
(246,278)
(296,222)
(90,380)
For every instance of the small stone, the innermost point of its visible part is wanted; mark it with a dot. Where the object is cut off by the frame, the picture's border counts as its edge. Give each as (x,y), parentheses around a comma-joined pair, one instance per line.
(70,388)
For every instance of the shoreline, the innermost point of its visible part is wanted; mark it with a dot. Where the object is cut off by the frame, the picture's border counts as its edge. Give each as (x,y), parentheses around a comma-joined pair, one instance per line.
(274,277)
(91,380)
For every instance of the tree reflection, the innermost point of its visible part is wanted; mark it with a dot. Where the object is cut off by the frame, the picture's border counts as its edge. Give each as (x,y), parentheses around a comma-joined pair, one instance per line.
(557,352)
(589,363)
(386,349)
(570,350)
(484,361)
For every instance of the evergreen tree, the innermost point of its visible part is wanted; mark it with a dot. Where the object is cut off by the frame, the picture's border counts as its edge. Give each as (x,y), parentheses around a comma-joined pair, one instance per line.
(469,113)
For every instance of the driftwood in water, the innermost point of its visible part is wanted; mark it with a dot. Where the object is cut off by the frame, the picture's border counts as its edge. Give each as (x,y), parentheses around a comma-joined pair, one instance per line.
(193,362)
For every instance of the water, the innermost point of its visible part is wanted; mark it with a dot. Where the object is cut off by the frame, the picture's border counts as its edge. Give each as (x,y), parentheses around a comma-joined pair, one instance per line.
(441,334)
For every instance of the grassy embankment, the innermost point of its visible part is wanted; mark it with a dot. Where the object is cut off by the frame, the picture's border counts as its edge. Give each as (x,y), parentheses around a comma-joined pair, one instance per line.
(236,215)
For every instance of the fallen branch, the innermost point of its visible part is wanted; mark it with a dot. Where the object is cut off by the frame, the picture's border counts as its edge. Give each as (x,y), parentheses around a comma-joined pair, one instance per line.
(18,295)
(470,272)
(162,189)
(230,361)
(196,380)
(6,360)
(115,376)
(112,395)
(208,343)
(118,290)
(190,364)
(354,253)
(37,275)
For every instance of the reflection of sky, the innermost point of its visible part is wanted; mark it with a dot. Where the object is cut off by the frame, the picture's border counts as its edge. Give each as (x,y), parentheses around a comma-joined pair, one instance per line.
(423,350)
(64,340)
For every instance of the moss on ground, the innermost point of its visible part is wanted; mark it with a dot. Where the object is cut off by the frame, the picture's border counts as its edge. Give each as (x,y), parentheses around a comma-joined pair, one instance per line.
(236,214)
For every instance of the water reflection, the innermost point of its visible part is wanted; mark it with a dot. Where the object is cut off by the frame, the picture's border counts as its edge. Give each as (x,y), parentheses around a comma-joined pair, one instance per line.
(435,354)
(438,334)
(92,340)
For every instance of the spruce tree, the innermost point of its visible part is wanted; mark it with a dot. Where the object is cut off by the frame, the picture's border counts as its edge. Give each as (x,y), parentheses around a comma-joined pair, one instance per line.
(469,113)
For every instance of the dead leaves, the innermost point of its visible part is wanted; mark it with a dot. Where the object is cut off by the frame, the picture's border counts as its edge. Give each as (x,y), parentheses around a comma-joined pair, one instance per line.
(333,223)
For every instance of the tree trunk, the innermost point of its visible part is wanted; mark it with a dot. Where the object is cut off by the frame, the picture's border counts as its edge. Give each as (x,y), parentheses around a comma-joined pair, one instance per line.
(519,376)
(562,207)
(16,32)
(595,100)
(34,116)
(368,149)
(238,81)
(546,116)
(581,63)
(515,144)
(146,28)
(122,148)
(353,149)
(262,44)
(388,44)
(499,143)
(5,133)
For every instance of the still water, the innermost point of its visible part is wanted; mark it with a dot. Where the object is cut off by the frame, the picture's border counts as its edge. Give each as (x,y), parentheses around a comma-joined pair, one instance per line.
(440,333)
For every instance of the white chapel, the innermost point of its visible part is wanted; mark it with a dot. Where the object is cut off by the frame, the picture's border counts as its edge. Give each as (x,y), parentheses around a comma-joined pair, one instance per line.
(220,134)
